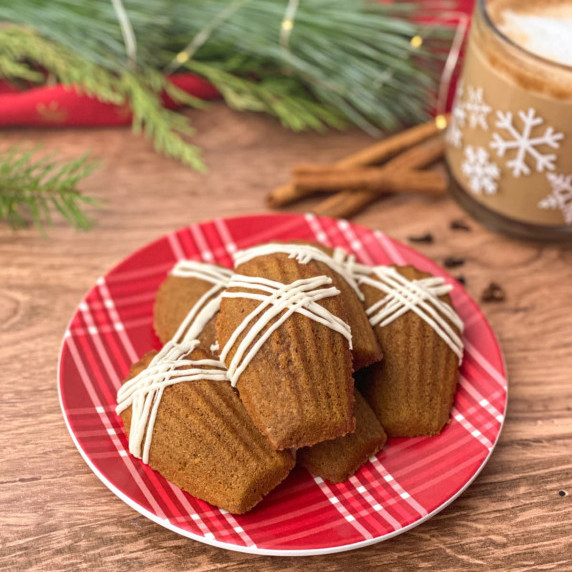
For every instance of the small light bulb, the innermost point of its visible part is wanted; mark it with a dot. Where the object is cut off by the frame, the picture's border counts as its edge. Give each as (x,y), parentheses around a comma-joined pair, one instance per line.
(441,122)
(182,57)
(416,41)
(287,25)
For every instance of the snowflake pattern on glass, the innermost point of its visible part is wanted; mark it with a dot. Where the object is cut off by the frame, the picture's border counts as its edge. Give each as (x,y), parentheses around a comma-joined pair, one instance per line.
(524,143)
(481,173)
(476,108)
(560,197)
(454,135)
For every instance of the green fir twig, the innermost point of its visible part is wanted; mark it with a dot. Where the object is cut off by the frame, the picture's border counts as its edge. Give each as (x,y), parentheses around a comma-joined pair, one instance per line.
(33,187)
(281,97)
(24,50)
(340,62)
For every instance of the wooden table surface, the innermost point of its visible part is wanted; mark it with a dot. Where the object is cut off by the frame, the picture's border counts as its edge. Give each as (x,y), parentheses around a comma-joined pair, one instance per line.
(55,514)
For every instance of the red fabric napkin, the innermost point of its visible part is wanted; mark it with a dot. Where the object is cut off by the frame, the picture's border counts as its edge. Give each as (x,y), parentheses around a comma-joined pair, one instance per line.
(59,106)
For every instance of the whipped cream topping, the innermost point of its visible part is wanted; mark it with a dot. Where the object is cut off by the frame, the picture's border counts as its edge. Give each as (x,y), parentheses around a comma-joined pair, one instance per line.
(545,31)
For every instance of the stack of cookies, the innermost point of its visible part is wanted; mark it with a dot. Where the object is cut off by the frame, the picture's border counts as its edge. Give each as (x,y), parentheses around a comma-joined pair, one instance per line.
(259,367)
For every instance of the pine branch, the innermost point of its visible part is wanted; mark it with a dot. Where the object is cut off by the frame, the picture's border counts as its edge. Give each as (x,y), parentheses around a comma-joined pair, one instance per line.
(352,57)
(26,48)
(281,97)
(341,61)
(141,91)
(164,127)
(32,188)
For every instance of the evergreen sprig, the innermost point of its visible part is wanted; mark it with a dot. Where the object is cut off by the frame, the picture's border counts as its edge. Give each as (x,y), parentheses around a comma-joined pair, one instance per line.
(33,187)
(25,50)
(282,97)
(340,61)
(331,64)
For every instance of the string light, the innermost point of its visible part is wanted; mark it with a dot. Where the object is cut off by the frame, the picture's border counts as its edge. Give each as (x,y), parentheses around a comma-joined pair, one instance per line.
(182,57)
(416,42)
(441,122)
(203,35)
(287,25)
(126,32)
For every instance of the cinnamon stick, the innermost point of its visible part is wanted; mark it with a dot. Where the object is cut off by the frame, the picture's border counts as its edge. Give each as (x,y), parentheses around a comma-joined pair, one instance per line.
(312,178)
(376,153)
(348,203)
(392,145)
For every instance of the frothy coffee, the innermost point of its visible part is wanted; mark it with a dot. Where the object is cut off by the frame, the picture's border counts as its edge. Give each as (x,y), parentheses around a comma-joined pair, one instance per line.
(543,28)
(510,141)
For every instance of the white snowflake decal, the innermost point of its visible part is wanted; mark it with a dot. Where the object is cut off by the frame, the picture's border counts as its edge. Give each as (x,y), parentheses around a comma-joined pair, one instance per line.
(524,143)
(561,196)
(477,109)
(454,134)
(481,173)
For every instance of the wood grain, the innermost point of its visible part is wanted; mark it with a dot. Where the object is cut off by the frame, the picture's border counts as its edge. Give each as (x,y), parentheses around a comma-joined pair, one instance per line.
(56,515)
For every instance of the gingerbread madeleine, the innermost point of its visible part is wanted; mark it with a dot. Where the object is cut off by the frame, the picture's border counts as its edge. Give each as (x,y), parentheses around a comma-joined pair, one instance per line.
(412,390)
(340,458)
(366,349)
(183,418)
(284,338)
(190,285)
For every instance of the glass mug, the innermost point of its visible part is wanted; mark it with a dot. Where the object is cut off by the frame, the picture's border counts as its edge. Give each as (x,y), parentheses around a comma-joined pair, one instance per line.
(509,139)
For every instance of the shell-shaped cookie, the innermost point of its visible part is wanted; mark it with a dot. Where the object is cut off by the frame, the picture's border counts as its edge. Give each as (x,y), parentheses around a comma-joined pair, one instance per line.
(205,443)
(298,388)
(365,347)
(412,390)
(340,458)
(185,289)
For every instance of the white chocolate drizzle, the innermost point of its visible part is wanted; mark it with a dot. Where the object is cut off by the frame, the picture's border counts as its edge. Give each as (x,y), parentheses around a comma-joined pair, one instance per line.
(419,296)
(340,262)
(202,271)
(216,275)
(278,302)
(171,364)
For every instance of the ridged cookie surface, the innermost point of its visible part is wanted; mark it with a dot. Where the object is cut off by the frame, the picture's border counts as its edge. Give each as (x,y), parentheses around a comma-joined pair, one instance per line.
(412,390)
(205,443)
(179,294)
(298,388)
(366,349)
(339,459)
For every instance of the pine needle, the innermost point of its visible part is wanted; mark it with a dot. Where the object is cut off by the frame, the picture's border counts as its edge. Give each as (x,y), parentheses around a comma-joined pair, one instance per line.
(141,91)
(338,62)
(332,64)
(164,127)
(281,97)
(32,188)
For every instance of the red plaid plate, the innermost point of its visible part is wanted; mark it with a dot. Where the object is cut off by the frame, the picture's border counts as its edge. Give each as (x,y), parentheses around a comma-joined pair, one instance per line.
(405,484)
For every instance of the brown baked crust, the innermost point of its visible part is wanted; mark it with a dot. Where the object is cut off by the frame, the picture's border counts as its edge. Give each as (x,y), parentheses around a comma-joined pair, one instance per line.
(366,349)
(298,389)
(205,443)
(340,458)
(412,390)
(175,298)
